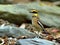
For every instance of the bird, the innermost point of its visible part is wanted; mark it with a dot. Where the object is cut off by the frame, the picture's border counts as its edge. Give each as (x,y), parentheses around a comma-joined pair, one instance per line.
(36,22)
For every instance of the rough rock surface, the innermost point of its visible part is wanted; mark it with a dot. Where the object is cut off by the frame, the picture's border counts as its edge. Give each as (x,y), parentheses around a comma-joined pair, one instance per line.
(49,15)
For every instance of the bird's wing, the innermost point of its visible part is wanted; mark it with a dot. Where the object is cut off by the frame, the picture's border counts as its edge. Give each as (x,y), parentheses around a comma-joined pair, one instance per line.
(40,24)
(42,27)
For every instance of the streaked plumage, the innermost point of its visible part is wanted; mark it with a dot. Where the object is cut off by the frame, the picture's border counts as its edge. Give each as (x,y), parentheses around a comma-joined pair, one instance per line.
(37,23)
(35,20)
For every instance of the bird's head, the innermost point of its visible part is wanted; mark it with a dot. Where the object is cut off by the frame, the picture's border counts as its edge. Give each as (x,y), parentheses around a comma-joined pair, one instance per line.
(33,11)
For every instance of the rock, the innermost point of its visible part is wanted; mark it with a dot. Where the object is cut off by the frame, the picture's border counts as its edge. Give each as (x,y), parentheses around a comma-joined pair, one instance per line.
(12,31)
(34,41)
(49,15)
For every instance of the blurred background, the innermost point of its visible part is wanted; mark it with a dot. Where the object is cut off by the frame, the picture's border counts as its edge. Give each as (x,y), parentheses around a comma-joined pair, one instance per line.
(55,2)
(17,1)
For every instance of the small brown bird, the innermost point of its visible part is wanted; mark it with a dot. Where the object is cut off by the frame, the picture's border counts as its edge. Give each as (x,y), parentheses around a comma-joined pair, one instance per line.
(35,20)
(37,23)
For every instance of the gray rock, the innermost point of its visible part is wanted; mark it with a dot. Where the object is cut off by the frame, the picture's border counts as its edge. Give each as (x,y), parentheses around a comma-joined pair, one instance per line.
(34,41)
(49,15)
(15,31)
